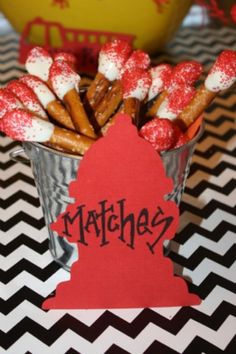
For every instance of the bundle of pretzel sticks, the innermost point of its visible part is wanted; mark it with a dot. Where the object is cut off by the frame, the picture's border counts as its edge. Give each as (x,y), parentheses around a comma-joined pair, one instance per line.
(49,104)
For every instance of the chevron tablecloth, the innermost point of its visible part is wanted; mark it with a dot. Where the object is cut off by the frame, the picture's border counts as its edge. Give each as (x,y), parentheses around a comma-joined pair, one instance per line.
(206,244)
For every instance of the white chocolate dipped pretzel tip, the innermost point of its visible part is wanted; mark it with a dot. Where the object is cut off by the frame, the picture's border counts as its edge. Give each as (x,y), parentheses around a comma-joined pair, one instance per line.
(138,59)
(24,126)
(221,76)
(38,63)
(136,83)
(27,97)
(223,73)
(8,101)
(135,86)
(2,110)
(160,76)
(41,90)
(65,56)
(69,58)
(63,78)
(177,99)
(65,83)
(186,72)
(111,61)
(177,89)
(112,57)
(48,100)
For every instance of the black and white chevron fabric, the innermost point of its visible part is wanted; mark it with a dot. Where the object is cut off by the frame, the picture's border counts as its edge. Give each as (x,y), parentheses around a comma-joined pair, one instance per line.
(204,248)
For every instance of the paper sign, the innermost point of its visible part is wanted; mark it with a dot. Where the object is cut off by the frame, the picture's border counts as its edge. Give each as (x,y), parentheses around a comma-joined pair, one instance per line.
(119,221)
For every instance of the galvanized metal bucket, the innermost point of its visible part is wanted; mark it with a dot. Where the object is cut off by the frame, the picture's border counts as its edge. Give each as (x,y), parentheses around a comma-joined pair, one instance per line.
(53,171)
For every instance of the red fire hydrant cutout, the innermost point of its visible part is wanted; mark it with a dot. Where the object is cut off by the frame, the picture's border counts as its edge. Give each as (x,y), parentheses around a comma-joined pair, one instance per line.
(120,220)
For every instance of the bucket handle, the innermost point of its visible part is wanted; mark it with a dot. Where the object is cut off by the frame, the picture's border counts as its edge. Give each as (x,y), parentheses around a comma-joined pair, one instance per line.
(17,156)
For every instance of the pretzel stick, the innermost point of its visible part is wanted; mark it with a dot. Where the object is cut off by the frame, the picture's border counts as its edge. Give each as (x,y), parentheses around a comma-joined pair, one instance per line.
(221,77)
(77,111)
(70,141)
(132,107)
(97,90)
(27,98)
(108,106)
(137,60)
(152,112)
(65,83)
(48,101)
(167,80)
(112,57)
(24,126)
(111,120)
(160,76)
(135,85)
(8,101)
(176,100)
(196,107)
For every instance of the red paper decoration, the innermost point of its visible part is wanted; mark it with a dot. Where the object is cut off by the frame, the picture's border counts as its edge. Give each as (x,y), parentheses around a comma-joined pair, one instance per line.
(119,221)
(85,51)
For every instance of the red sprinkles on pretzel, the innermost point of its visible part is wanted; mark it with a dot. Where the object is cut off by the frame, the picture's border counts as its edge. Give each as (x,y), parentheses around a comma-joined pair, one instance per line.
(226,63)
(9,100)
(136,83)
(27,97)
(16,122)
(38,63)
(165,72)
(61,68)
(179,97)
(187,72)
(160,133)
(2,110)
(38,53)
(116,51)
(43,93)
(161,75)
(63,78)
(31,81)
(25,126)
(138,59)
(67,57)
(223,73)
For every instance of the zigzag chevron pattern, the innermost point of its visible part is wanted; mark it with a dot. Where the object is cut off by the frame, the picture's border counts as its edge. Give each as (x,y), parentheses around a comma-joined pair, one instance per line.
(204,249)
